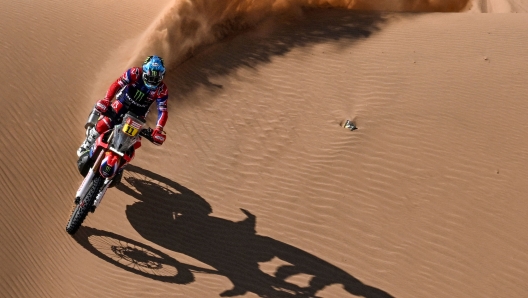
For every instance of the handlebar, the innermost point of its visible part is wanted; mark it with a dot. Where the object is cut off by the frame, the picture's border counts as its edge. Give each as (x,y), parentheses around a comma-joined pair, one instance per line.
(146,132)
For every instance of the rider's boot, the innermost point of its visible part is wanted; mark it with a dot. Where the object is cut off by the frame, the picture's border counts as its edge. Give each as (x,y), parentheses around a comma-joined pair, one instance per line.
(91,136)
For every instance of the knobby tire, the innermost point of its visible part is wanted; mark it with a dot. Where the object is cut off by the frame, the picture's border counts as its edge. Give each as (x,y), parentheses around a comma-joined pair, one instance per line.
(81,210)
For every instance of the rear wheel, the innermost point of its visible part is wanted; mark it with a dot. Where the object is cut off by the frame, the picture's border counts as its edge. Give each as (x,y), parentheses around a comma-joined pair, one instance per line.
(80,210)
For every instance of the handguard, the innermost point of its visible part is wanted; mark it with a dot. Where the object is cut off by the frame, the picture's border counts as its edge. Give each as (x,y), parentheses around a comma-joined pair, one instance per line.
(158,137)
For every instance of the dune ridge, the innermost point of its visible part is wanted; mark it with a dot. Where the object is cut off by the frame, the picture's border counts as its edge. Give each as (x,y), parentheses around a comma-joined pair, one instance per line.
(185,26)
(499,6)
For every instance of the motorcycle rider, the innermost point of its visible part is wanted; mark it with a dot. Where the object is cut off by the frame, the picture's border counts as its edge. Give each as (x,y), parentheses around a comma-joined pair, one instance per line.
(136,90)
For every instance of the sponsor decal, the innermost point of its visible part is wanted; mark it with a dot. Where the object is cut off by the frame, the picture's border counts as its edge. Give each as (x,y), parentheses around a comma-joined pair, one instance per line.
(133,123)
(139,95)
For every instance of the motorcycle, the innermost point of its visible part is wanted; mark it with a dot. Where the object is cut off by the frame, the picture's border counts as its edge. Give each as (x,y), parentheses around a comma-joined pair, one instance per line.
(102,166)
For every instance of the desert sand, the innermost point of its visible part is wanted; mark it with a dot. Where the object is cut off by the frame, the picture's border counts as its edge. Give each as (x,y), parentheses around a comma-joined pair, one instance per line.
(259,191)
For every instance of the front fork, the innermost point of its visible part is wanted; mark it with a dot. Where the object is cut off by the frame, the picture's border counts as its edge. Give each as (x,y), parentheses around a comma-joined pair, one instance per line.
(85,185)
(102,192)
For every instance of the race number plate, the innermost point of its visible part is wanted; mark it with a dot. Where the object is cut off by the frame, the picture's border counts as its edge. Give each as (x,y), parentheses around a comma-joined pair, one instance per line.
(131,127)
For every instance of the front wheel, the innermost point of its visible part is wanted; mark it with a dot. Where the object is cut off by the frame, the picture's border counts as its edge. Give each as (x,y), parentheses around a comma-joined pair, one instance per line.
(80,210)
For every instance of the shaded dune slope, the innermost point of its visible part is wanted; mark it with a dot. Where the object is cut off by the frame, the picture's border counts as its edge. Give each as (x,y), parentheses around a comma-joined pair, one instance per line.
(186,26)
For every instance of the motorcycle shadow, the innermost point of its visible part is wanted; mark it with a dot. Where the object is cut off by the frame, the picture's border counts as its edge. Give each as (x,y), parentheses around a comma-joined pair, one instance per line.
(135,257)
(179,220)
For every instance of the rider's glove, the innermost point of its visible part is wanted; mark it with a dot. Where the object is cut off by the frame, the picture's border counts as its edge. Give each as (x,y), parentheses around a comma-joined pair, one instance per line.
(158,136)
(102,105)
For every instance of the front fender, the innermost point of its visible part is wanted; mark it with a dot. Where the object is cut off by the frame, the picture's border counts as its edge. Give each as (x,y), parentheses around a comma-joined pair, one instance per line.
(109,165)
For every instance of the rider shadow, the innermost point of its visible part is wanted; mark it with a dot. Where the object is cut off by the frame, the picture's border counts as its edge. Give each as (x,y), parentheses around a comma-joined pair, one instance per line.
(179,220)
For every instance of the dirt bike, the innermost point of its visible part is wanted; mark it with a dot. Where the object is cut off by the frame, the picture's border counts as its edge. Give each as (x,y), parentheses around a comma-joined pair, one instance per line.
(102,166)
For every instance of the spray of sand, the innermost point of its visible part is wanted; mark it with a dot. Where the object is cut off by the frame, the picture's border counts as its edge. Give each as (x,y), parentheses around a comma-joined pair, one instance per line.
(186,25)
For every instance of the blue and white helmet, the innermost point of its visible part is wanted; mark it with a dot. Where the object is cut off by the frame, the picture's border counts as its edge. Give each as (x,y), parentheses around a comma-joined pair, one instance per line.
(153,71)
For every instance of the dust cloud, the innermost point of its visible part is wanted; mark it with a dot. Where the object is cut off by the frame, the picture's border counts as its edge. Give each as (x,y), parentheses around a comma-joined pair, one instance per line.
(186,25)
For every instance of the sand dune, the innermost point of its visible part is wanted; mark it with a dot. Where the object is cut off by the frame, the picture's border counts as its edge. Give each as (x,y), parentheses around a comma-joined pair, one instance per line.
(259,192)
(499,6)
